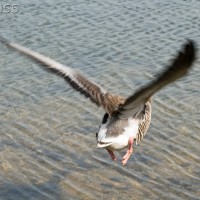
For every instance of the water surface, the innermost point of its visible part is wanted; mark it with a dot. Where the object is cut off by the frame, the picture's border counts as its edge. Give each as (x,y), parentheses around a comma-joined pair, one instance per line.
(47,135)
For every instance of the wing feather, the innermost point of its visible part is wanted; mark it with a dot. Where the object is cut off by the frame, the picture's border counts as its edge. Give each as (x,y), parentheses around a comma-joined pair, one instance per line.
(88,88)
(179,67)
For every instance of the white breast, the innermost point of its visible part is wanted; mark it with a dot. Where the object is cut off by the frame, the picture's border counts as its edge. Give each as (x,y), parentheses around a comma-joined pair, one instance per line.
(132,129)
(120,141)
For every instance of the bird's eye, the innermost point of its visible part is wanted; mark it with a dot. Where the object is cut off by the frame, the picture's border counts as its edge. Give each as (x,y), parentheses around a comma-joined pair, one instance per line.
(105,118)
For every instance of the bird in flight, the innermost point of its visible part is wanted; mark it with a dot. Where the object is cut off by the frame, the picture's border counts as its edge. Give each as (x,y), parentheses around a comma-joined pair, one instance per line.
(126,120)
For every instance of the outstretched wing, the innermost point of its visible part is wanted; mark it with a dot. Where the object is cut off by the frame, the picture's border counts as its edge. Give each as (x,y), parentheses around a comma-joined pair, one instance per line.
(88,88)
(179,67)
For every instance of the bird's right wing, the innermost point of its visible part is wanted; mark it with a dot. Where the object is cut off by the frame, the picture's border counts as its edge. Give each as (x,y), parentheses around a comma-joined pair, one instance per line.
(179,67)
(88,88)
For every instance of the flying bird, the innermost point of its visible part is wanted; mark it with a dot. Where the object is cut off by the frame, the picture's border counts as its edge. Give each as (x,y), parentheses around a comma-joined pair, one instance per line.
(126,120)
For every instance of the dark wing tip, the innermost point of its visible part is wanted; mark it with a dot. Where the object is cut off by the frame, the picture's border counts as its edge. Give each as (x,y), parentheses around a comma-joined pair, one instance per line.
(189,51)
(185,58)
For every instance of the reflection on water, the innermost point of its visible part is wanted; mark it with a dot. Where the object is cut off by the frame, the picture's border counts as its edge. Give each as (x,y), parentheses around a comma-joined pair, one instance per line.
(47,136)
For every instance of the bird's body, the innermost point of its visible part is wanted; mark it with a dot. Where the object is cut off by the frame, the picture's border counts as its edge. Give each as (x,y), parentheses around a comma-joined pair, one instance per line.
(126,119)
(116,134)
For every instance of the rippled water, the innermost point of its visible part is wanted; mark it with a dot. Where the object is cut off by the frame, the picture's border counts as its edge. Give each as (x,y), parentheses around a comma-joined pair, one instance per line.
(47,131)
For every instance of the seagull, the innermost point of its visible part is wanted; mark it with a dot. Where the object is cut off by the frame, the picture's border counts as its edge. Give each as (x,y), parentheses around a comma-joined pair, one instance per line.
(126,120)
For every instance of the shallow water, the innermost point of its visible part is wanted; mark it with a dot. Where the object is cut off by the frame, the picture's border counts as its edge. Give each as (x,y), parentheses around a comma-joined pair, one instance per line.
(47,136)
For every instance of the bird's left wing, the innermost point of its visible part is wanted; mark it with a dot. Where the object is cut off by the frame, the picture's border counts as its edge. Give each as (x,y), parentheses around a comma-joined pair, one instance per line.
(178,68)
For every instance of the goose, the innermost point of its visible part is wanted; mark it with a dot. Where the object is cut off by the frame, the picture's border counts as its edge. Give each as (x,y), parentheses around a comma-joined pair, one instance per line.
(126,120)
